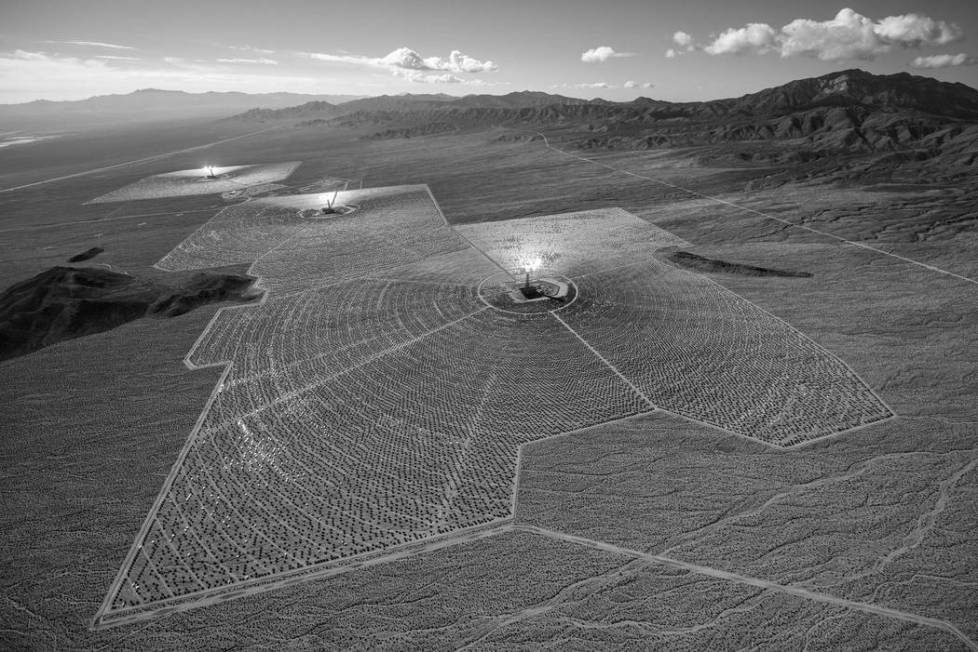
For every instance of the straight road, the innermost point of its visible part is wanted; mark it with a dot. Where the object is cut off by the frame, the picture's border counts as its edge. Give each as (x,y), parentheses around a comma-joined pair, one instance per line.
(752,581)
(861,245)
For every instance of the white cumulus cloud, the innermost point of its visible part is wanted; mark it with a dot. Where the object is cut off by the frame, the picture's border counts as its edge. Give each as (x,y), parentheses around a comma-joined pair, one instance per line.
(631,84)
(458,62)
(602,53)
(752,37)
(96,44)
(261,60)
(944,61)
(684,43)
(421,77)
(248,48)
(913,30)
(409,64)
(849,35)
(682,39)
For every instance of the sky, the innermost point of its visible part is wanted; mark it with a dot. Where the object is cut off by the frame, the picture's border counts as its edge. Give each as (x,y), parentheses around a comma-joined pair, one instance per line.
(676,50)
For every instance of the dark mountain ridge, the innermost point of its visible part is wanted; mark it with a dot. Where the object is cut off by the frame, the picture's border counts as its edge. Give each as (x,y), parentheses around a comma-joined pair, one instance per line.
(67,302)
(388,107)
(917,122)
(860,88)
(146,105)
(847,88)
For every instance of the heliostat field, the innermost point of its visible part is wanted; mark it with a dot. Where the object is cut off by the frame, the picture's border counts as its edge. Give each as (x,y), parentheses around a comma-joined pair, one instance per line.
(380,394)
(232,179)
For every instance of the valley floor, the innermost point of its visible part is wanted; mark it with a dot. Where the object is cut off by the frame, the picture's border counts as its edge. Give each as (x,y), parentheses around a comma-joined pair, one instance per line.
(648,531)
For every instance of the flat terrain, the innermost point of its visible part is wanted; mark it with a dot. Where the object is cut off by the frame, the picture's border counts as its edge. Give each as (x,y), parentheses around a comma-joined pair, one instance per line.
(652,529)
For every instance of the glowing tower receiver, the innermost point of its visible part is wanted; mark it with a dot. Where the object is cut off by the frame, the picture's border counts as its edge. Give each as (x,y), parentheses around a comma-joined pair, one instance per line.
(530,266)
(209,171)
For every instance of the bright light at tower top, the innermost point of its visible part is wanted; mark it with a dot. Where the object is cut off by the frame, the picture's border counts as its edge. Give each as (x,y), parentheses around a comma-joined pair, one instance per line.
(532,264)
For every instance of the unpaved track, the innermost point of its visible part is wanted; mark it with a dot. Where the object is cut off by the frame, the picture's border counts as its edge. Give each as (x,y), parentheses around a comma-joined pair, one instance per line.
(861,245)
(751,581)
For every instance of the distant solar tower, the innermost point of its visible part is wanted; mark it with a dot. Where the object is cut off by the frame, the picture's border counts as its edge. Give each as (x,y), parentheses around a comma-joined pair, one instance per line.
(529,267)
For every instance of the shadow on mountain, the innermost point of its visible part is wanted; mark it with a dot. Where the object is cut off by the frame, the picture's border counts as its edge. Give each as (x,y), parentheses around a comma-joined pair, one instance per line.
(696,263)
(88,254)
(63,303)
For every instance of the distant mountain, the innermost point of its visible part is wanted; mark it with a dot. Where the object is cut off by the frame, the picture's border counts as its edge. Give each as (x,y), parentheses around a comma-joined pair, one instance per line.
(316,110)
(860,88)
(68,302)
(147,105)
(851,89)
(851,112)
(387,107)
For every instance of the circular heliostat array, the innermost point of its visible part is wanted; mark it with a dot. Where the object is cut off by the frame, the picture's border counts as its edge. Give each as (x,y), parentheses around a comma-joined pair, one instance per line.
(381,392)
(545,292)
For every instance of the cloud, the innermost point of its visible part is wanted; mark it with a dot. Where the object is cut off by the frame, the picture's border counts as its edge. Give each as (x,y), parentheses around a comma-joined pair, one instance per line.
(849,35)
(944,61)
(683,40)
(112,57)
(456,62)
(602,53)
(752,37)
(602,85)
(353,59)
(584,85)
(430,78)
(409,64)
(261,60)
(635,84)
(25,55)
(248,48)
(96,44)
(459,62)
(853,36)
(684,43)
(912,30)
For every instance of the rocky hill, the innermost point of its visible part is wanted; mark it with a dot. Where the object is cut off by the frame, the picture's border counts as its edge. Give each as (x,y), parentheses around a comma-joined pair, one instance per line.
(415,108)
(859,88)
(914,123)
(68,302)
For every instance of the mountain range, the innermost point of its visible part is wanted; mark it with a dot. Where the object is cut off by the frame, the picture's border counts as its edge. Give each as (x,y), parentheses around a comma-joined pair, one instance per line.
(906,125)
(917,124)
(144,106)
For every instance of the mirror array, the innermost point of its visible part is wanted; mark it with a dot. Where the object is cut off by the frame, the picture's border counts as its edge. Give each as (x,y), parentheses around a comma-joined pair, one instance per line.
(375,399)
